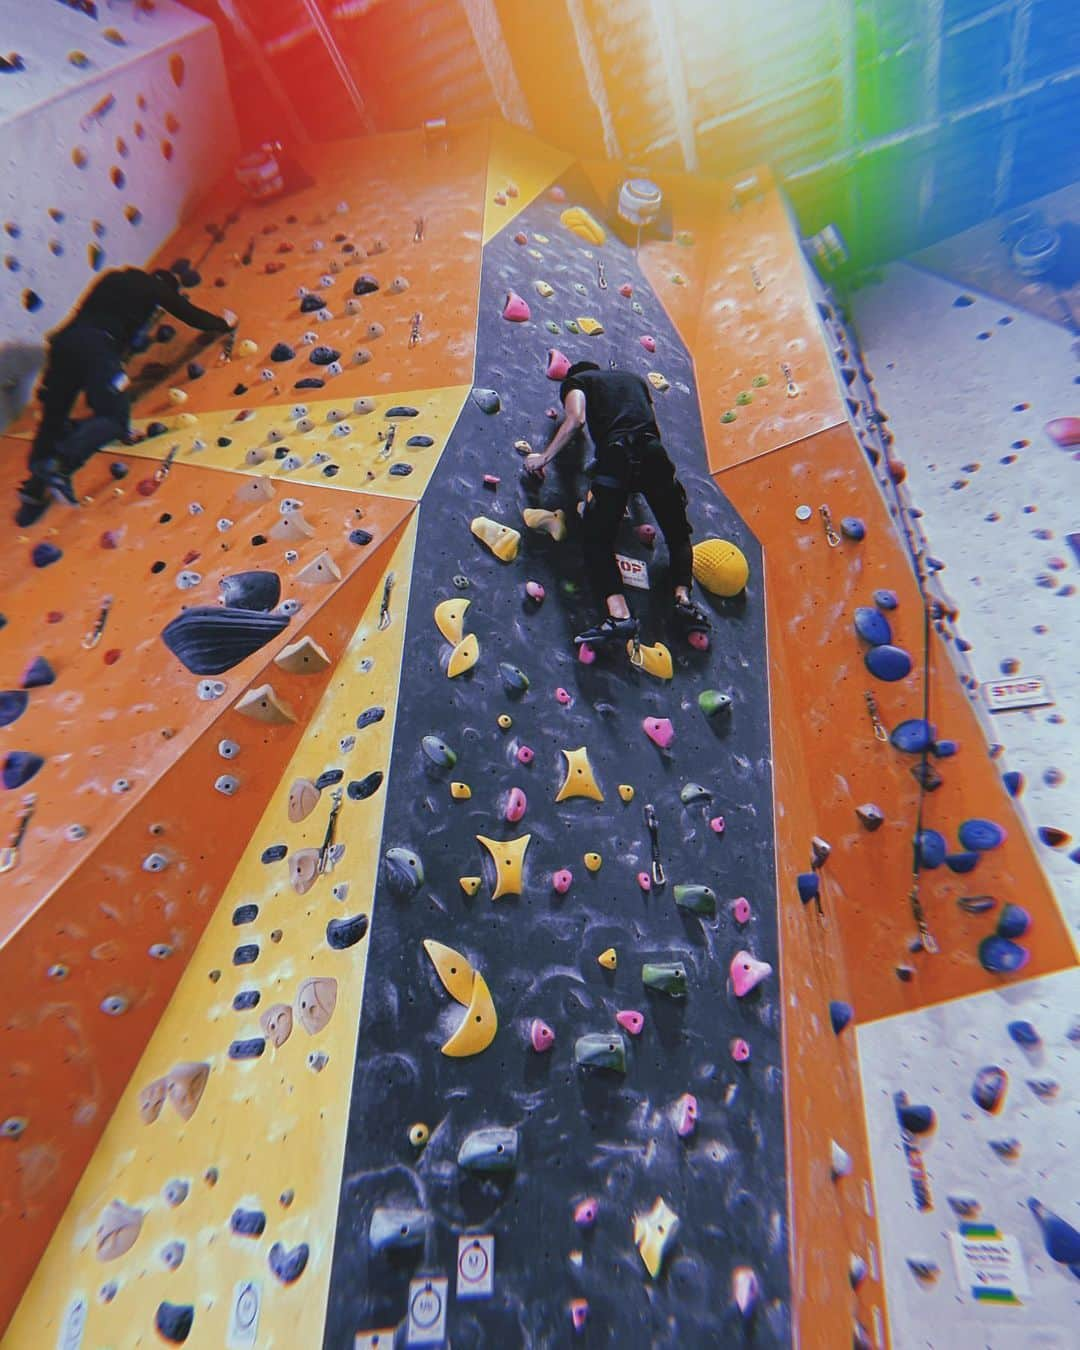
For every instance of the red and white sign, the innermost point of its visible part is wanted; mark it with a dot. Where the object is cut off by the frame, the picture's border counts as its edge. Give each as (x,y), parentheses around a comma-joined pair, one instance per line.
(1019,691)
(634,572)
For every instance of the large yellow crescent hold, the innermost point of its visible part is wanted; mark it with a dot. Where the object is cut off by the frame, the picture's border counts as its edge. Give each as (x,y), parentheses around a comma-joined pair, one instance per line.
(478,1026)
(453,969)
(450,619)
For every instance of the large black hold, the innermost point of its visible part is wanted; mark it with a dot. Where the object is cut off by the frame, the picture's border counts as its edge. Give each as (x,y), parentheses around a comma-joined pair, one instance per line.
(251,590)
(209,641)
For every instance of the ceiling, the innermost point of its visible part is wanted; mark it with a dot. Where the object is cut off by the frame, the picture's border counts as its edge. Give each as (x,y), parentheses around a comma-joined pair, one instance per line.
(902,121)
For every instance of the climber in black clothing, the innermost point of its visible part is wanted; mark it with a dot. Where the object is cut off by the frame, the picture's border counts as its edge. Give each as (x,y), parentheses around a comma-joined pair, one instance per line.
(87,356)
(617,408)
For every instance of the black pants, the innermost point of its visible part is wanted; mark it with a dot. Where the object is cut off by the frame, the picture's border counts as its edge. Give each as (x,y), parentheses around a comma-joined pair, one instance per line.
(639,465)
(81,360)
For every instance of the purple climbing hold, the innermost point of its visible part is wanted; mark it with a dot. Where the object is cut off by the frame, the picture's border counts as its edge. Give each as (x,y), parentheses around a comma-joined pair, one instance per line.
(988,1090)
(311,381)
(45,554)
(1001,955)
(887,662)
(38,673)
(360,537)
(872,626)
(195,370)
(118,469)
(980,835)
(281,351)
(322,356)
(1013,922)
(19,767)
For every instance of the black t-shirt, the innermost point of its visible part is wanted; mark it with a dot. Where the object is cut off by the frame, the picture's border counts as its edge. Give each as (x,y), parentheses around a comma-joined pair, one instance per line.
(617,403)
(124,301)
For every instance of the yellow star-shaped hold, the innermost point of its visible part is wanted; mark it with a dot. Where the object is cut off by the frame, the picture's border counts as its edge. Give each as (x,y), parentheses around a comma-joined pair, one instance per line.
(580,780)
(508,855)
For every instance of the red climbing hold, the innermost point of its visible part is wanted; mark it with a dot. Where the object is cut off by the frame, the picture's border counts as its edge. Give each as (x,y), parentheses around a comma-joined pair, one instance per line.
(1064,431)
(626,290)
(648,342)
(516,310)
(112,656)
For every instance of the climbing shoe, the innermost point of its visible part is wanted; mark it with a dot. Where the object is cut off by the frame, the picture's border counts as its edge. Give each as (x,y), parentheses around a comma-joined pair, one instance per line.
(33,503)
(611,630)
(58,482)
(692,615)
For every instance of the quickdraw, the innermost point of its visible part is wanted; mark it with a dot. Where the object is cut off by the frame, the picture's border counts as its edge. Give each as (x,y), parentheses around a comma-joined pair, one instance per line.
(162,470)
(414,330)
(387,438)
(601,279)
(871,707)
(331,827)
(792,389)
(832,538)
(93,637)
(384,608)
(9,858)
(653,826)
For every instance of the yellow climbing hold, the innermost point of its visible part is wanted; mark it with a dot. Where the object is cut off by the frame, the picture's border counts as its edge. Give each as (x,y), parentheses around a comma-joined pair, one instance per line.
(590,327)
(548,522)
(186,419)
(450,619)
(505,721)
(470,885)
(464,656)
(419,1134)
(609,959)
(659,381)
(245,347)
(580,780)
(501,539)
(508,855)
(478,1026)
(543,289)
(654,1233)
(461,792)
(626,792)
(654,660)
(720,567)
(453,969)
(593,861)
(578,220)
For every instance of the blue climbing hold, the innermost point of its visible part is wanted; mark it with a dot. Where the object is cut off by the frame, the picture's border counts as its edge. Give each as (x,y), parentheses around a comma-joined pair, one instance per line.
(885,599)
(809,886)
(419,442)
(38,673)
(851,527)
(274,853)
(913,736)
(840,1015)
(1025,1035)
(243,914)
(309,382)
(370,716)
(19,767)
(916,1119)
(360,537)
(944,749)
(322,356)
(980,835)
(118,469)
(1014,782)
(247,1049)
(400,470)
(1061,1239)
(281,351)
(1001,955)
(329,778)
(44,554)
(961,863)
(311,302)
(1013,922)
(248,1222)
(887,662)
(12,705)
(872,626)
(931,848)
(245,1000)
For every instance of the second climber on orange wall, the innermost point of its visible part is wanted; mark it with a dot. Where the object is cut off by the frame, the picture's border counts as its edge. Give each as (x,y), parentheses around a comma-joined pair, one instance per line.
(617,408)
(86,356)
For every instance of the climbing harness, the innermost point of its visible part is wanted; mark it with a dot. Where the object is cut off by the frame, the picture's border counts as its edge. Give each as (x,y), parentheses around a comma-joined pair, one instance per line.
(328,837)
(162,470)
(872,708)
(9,858)
(653,826)
(384,608)
(831,536)
(93,637)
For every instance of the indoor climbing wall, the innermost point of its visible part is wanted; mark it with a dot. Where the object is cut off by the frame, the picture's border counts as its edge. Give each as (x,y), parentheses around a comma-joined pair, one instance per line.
(109,132)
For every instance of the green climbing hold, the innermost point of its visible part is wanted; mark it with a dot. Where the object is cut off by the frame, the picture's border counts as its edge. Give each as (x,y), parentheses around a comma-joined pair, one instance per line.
(697,899)
(489,1150)
(712,701)
(601,1050)
(438,752)
(743,398)
(552,326)
(571,326)
(760,381)
(515,681)
(666,977)
(694,792)
(729,416)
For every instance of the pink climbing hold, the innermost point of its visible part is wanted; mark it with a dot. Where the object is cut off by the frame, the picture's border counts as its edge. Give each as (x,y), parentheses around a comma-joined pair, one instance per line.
(718,824)
(630,1020)
(492,481)
(740,1050)
(541,1036)
(535,591)
(525,754)
(644,881)
(686,1114)
(1064,431)
(585,654)
(626,290)
(699,641)
(516,803)
(585,1212)
(516,310)
(647,535)
(747,973)
(648,342)
(745,1290)
(563,697)
(659,730)
(557,364)
(562,880)
(557,194)
(740,909)
(579,1307)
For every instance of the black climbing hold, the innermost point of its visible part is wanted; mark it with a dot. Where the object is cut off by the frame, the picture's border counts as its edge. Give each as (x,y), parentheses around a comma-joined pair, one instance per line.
(165,333)
(165,517)
(245,1000)
(401,410)
(328,778)
(309,382)
(366,787)
(274,853)
(246,954)
(916,1119)
(239,390)
(209,640)
(258,540)
(360,537)
(286,1265)
(331,471)
(156,429)
(174,1321)
(369,717)
(189,278)
(118,469)
(248,1222)
(343,933)
(487,400)
(13,704)
(249,1049)
(364,285)
(224,441)
(38,673)
(244,914)
(44,554)
(32,302)
(19,767)
(157,567)
(179,265)
(419,442)
(281,351)
(251,590)
(400,470)
(195,371)
(281,452)
(312,302)
(322,356)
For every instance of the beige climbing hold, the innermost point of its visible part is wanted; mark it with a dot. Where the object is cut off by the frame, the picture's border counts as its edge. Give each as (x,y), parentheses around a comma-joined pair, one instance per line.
(292,527)
(609,959)
(263,705)
(470,885)
(544,290)
(478,1026)
(245,347)
(185,1084)
(580,780)
(151,1100)
(276,1022)
(255,490)
(590,327)
(508,855)
(256,455)
(303,869)
(303,799)
(450,618)
(454,970)
(547,522)
(303,657)
(464,656)
(659,381)
(654,1233)
(501,539)
(178,396)
(316,1000)
(626,792)
(321,571)
(186,419)
(655,660)
(117,1230)
(461,792)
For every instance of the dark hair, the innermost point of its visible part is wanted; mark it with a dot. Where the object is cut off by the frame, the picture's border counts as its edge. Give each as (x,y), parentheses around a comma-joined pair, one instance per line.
(579,367)
(169,278)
